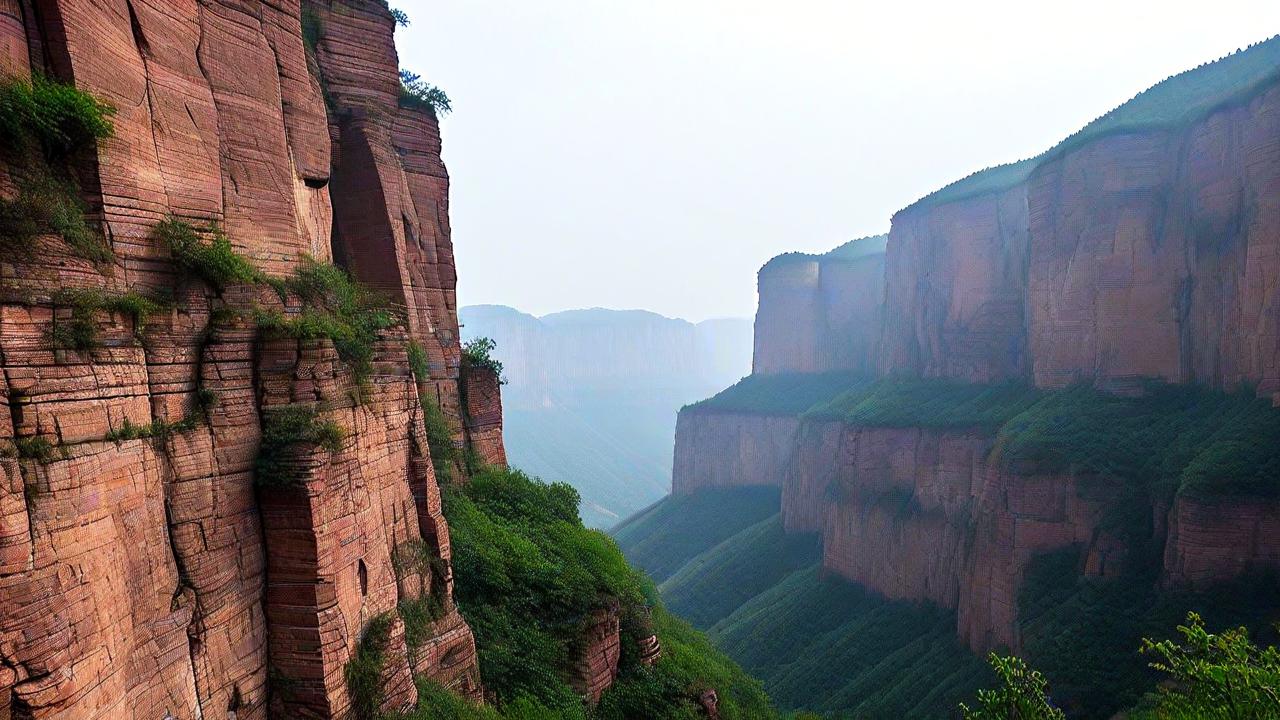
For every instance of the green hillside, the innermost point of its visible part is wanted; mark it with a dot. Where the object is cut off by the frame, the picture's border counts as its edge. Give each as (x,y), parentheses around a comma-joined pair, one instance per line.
(663,537)
(715,583)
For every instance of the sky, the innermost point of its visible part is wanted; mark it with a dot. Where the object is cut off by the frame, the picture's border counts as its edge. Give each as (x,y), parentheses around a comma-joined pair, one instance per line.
(655,154)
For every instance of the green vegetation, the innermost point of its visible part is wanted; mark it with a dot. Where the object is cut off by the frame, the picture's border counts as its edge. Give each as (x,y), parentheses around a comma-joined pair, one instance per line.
(714,583)
(336,308)
(283,429)
(45,205)
(56,117)
(529,578)
(662,538)
(215,262)
(478,353)
(1177,101)
(154,429)
(1216,677)
(782,394)
(37,448)
(829,646)
(1021,694)
(1207,677)
(401,17)
(1083,632)
(928,403)
(418,94)
(364,671)
(80,331)
(444,455)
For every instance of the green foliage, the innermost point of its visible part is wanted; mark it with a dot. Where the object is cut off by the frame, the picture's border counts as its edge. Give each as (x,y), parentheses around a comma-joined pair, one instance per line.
(1082,632)
(335,307)
(56,117)
(714,583)
(42,205)
(825,645)
(781,394)
(312,28)
(418,615)
(155,429)
(421,95)
(662,538)
(80,331)
(529,577)
(215,261)
(1020,695)
(418,362)
(37,448)
(285,427)
(928,403)
(478,353)
(401,17)
(1216,676)
(444,456)
(364,671)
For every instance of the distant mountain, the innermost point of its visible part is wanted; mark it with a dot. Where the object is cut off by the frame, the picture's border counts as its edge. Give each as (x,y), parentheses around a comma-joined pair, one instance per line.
(592,394)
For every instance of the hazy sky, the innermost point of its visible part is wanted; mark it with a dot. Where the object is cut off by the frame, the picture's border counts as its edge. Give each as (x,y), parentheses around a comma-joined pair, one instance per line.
(654,154)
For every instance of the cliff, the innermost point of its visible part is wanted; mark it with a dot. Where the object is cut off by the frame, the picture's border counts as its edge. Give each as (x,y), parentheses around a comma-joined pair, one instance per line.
(1137,257)
(1141,247)
(144,572)
(820,313)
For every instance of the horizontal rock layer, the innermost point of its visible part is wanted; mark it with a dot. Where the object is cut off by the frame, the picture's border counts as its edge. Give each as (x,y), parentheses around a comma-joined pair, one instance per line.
(151,577)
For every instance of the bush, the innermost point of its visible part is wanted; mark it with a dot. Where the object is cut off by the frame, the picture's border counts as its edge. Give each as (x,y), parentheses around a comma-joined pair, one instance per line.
(36,448)
(420,95)
(364,671)
(47,205)
(478,353)
(1019,697)
(335,307)
(1216,677)
(401,17)
(529,577)
(215,261)
(57,117)
(285,427)
(155,429)
(80,332)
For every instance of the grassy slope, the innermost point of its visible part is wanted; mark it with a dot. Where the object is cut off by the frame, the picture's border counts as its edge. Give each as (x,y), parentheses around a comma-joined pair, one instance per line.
(716,582)
(662,538)
(782,394)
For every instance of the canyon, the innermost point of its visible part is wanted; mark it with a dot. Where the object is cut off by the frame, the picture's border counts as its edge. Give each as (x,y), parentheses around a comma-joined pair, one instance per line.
(1138,255)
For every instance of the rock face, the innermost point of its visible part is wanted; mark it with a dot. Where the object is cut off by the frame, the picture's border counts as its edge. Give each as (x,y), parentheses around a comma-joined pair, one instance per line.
(602,646)
(1138,255)
(151,576)
(1136,249)
(820,313)
(721,449)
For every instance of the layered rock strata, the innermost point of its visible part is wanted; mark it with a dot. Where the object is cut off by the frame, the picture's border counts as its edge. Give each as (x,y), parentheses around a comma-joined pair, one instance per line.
(151,576)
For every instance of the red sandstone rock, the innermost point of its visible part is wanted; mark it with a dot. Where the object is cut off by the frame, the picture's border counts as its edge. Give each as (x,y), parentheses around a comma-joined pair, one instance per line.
(602,645)
(819,314)
(144,577)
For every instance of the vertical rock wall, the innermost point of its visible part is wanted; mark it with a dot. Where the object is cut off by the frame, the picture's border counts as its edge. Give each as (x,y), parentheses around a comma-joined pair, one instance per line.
(150,577)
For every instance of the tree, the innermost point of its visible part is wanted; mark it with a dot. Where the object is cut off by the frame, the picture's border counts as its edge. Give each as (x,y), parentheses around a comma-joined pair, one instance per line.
(1020,696)
(1216,677)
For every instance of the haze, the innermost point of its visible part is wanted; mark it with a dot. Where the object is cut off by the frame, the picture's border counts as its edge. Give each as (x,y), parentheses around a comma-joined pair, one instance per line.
(654,155)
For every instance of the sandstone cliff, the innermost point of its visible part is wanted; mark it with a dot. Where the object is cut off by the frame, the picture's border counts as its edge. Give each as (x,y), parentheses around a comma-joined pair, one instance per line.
(146,574)
(1143,247)
(820,313)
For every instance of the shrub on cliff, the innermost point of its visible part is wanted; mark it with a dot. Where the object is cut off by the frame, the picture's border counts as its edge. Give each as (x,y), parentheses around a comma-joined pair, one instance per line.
(529,577)
(57,117)
(214,261)
(478,353)
(80,331)
(418,94)
(286,428)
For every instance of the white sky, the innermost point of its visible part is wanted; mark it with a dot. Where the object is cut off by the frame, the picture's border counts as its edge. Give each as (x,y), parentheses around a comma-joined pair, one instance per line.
(653,154)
